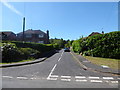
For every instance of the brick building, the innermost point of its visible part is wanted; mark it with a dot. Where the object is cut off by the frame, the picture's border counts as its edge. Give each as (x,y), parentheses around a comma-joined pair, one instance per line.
(8,35)
(36,36)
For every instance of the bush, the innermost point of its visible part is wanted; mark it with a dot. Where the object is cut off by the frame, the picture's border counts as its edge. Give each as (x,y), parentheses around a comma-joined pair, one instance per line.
(37,46)
(102,45)
(27,53)
(9,52)
(76,46)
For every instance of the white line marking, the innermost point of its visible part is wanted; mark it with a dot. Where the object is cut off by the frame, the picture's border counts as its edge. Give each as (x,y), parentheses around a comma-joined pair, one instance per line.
(81,80)
(51,78)
(94,77)
(107,77)
(22,78)
(65,76)
(7,77)
(114,81)
(60,57)
(51,71)
(96,81)
(66,79)
(80,77)
(54,76)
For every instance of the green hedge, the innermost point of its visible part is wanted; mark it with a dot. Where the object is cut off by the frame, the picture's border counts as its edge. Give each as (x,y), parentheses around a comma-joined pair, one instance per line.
(101,45)
(15,51)
(37,46)
(10,53)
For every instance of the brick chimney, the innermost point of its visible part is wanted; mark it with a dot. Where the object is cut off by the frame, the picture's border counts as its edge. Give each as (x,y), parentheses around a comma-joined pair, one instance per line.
(102,32)
(48,36)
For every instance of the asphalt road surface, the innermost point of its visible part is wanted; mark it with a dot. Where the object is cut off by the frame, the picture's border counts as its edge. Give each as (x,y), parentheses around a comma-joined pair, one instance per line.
(58,71)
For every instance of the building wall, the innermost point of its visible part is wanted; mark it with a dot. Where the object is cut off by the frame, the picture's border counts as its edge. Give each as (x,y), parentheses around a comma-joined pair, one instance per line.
(34,38)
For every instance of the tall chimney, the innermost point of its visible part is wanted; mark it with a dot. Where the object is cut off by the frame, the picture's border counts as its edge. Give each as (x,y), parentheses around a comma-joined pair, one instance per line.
(102,32)
(23,29)
(48,36)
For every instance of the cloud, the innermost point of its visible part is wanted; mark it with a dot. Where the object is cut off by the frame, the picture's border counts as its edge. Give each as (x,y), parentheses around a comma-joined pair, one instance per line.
(11,8)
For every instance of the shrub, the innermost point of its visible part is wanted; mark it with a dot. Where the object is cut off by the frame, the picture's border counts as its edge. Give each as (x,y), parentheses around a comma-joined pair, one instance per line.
(9,52)
(27,53)
(102,45)
(76,46)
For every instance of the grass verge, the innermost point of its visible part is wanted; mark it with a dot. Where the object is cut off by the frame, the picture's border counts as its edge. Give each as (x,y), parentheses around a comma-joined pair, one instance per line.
(112,63)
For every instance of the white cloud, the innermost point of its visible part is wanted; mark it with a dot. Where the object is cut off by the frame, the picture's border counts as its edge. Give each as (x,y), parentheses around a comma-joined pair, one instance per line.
(11,7)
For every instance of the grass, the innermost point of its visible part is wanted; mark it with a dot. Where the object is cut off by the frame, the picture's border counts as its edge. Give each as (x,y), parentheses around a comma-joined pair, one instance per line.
(112,63)
(31,59)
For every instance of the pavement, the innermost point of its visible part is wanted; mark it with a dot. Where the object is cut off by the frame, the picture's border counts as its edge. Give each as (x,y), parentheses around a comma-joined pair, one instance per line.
(95,67)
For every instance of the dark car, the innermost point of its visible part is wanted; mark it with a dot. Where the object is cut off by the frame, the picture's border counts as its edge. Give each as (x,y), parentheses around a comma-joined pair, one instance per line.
(66,50)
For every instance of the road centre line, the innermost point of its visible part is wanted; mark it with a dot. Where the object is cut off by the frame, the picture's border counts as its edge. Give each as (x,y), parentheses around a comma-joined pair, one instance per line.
(60,57)
(52,71)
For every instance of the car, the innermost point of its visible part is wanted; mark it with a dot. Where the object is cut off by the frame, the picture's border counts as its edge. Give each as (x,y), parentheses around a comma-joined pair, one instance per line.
(66,50)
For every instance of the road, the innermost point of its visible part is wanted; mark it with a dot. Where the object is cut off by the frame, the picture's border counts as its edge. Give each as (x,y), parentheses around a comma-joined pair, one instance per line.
(58,71)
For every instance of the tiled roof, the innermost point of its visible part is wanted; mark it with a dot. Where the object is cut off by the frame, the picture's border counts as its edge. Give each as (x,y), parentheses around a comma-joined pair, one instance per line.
(29,31)
(7,32)
(94,33)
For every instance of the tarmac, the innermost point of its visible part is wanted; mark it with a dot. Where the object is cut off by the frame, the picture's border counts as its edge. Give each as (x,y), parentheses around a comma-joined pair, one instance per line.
(85,63)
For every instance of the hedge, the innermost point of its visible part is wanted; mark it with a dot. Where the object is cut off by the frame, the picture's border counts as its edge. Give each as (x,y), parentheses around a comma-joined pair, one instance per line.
(15,51)
(101,45)
(10,53)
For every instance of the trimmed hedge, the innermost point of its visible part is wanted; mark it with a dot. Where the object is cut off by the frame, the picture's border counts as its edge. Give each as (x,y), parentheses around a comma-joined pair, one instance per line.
(102,45)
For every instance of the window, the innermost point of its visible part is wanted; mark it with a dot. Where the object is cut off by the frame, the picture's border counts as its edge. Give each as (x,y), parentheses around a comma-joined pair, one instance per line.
(41,42)
(40,35)
(28,35)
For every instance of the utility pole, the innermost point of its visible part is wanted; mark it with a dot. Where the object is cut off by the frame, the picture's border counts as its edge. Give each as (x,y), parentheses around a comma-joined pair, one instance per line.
(23,29)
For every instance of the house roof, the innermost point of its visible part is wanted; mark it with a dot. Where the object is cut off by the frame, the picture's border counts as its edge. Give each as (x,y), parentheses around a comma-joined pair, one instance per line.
(30,31)
(8,32)
(94,33)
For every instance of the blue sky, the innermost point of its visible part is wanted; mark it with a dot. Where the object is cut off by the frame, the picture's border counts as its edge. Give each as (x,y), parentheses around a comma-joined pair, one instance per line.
(67,20)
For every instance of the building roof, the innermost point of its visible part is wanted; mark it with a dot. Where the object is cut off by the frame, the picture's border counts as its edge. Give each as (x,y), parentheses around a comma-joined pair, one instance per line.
(30,31)
(8,32)
(94,33)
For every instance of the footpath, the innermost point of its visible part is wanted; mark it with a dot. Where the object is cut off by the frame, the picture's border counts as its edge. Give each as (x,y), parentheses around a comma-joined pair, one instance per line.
(88,65)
